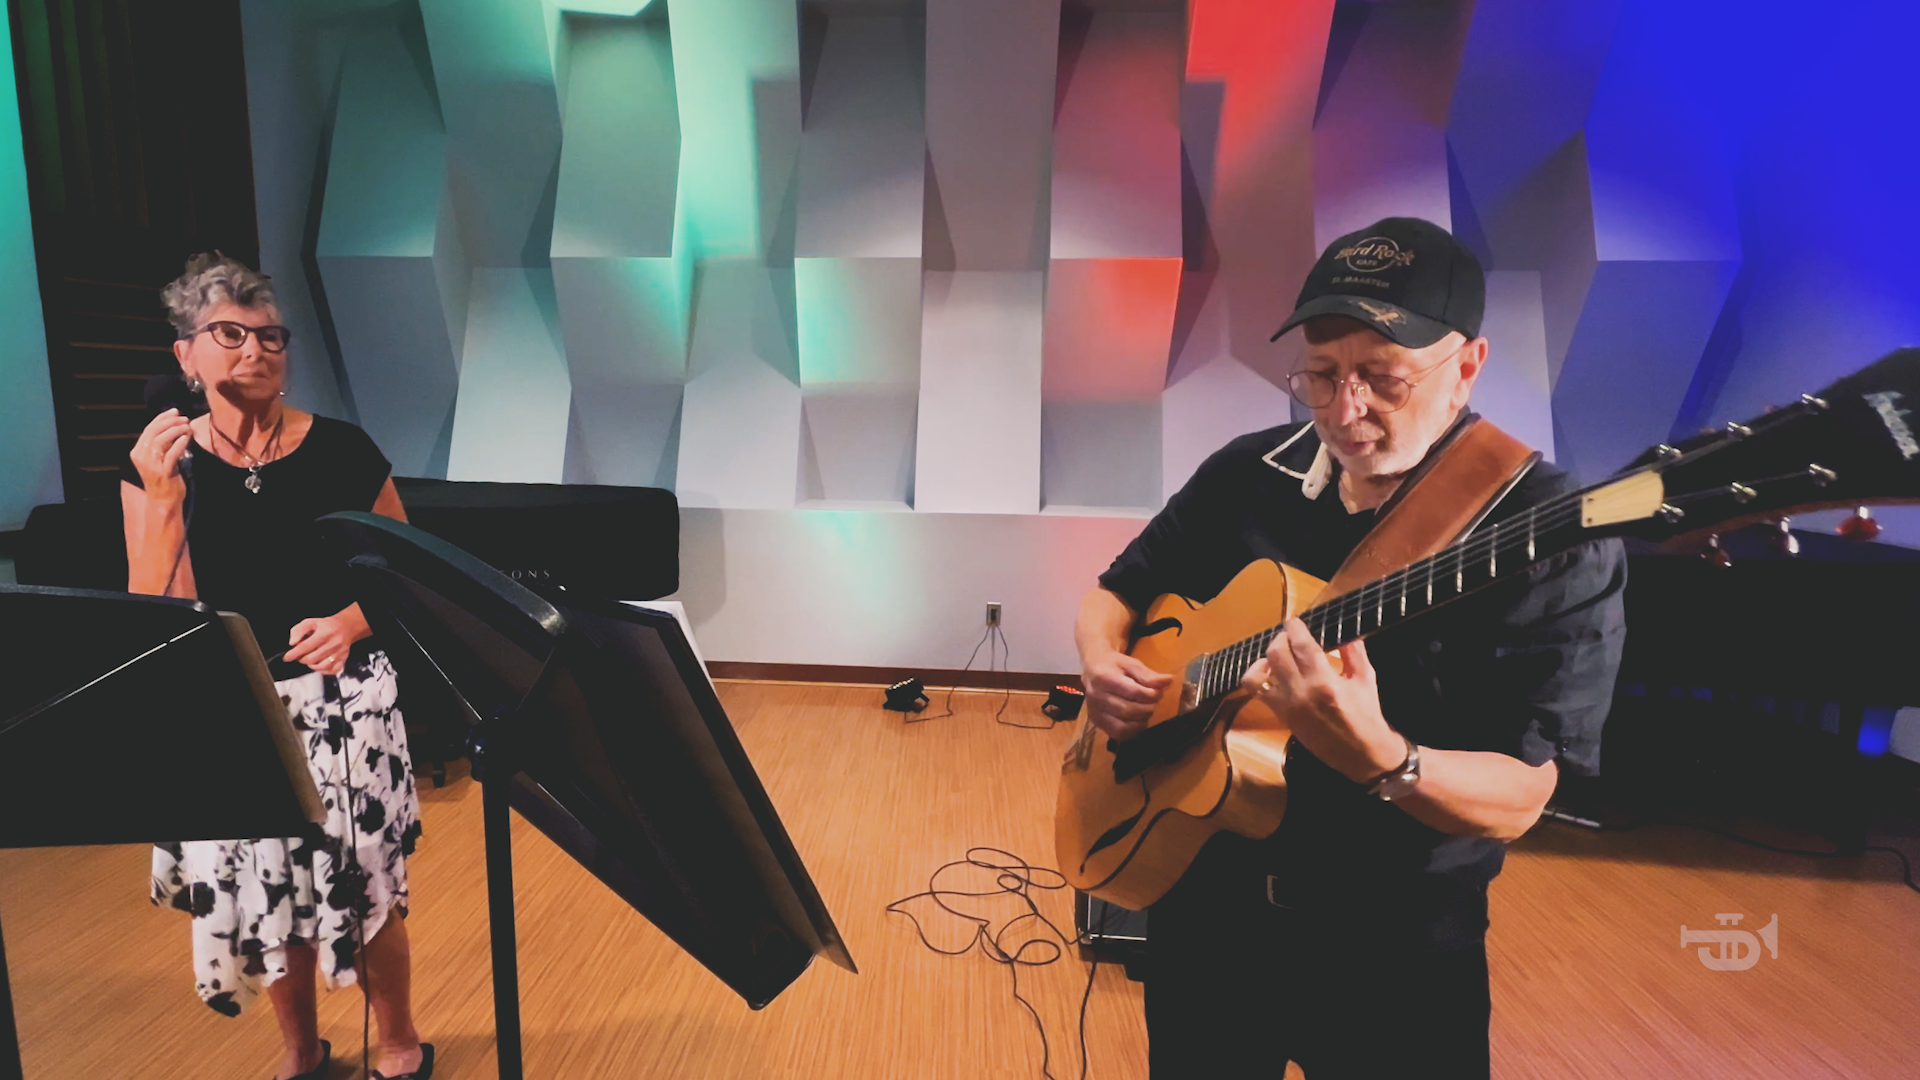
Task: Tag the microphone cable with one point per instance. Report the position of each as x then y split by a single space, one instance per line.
1013 876
185 469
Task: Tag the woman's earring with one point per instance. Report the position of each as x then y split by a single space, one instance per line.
283 393
194 384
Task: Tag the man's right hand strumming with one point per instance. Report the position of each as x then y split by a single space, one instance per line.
156 454
1121 693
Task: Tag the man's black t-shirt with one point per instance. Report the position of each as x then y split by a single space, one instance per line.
1524 667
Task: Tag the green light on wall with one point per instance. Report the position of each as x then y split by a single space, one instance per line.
605 7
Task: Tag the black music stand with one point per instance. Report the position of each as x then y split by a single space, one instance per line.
597 723
147 691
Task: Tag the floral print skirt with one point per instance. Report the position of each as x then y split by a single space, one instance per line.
250 899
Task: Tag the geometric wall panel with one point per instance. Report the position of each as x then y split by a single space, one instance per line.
1513 390
513 379
737 79
1666 247
1251 80
990 79
860 369
27 442
1108 324
860 190
990 71
493 64
1113 279
390 251
737 74
622 269
978 438
1521 186
1379 139
740 422
1018 260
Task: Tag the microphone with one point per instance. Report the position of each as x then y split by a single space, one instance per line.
185 467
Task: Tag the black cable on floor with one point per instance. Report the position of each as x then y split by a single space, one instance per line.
971 657
1012 877
995 639
1906 866
1006 685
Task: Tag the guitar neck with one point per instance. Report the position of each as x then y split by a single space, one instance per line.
1496 551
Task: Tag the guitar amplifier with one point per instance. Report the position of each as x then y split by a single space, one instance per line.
1109 927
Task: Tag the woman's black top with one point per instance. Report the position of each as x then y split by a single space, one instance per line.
258 553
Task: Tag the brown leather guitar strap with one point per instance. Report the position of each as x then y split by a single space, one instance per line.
1475 465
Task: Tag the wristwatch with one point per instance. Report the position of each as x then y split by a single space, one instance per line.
1396 782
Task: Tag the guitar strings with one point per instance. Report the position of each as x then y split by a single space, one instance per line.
1013 877
1542 520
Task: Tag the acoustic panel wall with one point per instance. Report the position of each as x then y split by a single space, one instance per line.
969 259
622 268
740 424
27 442
859 357
990 82
1113 276
389 249
513 382
1514 389
493 64
1253 72
1666 243
1379 136
861 190
978 441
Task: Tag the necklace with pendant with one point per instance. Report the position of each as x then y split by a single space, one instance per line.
254 464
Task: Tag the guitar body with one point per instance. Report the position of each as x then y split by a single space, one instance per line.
1128 841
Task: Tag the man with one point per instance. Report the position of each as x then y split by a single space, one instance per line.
1352 941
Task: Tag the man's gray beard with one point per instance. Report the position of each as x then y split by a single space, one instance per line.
1376 466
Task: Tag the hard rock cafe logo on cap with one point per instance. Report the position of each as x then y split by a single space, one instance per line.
1373 254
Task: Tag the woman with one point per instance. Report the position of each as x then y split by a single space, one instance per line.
239 536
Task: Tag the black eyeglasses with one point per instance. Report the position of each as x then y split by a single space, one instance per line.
1382 393
232 335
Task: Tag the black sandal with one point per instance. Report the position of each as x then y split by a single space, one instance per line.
424 1072
326 1058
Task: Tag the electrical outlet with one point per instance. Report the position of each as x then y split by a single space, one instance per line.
993 613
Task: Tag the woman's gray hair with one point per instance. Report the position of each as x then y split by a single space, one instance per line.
212 279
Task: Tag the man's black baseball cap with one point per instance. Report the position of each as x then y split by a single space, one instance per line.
1408 279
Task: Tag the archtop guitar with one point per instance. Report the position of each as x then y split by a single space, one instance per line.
1130 817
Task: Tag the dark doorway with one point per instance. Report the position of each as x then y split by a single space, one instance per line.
134 122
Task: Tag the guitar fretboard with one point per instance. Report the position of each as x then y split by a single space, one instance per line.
1495 551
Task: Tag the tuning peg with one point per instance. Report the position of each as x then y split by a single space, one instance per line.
1716 554
1783 537
1861 527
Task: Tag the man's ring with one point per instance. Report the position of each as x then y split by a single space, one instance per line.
1266 687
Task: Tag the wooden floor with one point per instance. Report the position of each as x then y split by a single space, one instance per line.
1589 977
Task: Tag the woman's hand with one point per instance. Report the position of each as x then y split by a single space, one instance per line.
156 455
322 644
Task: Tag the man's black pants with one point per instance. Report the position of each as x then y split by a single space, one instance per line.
1237 987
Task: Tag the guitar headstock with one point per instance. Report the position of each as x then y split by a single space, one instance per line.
1857 441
